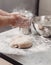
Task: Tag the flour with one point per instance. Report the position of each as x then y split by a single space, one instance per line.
39 43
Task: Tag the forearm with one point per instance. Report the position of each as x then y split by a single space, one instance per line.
4 13
4 21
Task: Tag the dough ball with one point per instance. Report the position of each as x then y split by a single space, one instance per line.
40 27
21 42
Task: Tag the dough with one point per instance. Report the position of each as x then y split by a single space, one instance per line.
40 27
43 30
21 42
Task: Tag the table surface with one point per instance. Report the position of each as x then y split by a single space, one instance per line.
36 58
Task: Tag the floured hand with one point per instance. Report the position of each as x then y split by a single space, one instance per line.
19 21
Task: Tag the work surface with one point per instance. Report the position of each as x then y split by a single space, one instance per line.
39 54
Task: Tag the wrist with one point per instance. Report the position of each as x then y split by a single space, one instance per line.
12 21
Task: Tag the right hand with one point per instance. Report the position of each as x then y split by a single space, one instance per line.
18 20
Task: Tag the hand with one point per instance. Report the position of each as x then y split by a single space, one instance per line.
18 20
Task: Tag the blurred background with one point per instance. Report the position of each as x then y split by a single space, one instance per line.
45 7
9 5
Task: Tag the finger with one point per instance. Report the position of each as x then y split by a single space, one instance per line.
19 15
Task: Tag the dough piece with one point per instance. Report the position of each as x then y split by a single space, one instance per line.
21 42
43 31
40 27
